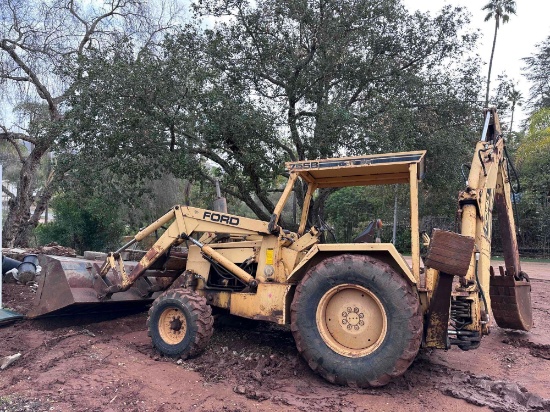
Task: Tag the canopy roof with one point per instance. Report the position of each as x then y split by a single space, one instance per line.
387 168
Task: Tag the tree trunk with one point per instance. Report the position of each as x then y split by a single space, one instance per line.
318 205
491 63
512 118
18 225
294 133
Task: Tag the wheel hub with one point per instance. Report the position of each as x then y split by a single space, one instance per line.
351 320
175 324
172 326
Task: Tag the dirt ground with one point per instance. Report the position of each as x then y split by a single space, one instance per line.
106 363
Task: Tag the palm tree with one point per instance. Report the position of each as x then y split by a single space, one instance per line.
499 10
515 97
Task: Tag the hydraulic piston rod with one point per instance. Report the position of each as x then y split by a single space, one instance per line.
226 263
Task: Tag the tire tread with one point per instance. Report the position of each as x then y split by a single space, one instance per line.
200 315
414 323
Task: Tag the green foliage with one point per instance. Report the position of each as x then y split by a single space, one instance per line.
91 223
355 78
10 160
179 116
534 154
499 10
505 98
537 71
278 80
533 161
350 209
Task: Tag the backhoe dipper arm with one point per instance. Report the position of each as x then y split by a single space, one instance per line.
477 199
186 221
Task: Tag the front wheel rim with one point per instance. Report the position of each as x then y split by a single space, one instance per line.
351 320
172 326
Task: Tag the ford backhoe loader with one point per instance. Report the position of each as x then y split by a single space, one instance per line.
358 312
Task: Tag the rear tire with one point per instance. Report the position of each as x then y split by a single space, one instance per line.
356 321
180 323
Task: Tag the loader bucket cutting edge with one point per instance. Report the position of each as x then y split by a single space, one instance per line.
69 286
511 302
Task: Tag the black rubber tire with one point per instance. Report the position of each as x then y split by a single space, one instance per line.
403 314
198 317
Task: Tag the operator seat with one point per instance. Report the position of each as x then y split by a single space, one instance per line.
367 235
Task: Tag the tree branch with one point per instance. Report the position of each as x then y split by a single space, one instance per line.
9 135
40 88
7 191
15 78
10 138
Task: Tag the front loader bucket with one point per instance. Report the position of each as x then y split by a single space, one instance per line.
511 301
71 285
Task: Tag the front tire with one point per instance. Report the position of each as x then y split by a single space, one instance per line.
180 323
356 321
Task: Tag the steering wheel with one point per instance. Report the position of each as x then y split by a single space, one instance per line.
325 227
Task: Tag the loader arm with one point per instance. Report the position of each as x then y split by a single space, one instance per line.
185 221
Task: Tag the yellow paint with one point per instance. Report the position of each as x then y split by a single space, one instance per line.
269 257
270 302
364 248
415 232
351 320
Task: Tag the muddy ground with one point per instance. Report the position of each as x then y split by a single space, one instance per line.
106 363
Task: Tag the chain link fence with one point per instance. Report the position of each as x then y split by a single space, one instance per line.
533 234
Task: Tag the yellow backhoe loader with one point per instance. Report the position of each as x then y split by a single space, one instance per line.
358 312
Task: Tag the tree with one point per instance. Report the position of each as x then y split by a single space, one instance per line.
506 98
537 71
533 159
280 81
500 10
178 112
533 154
83 223
516 99
356 77
39 41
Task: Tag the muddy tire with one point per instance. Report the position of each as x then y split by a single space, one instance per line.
356 321
180 323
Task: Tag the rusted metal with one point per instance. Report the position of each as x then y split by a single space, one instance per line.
72 285
450 252
437 324
511 300
507 233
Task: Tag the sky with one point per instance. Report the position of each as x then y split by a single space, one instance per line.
515 40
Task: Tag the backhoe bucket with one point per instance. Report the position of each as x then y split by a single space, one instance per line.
511 301
72 285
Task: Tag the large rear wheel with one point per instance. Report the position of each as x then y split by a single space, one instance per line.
356 321
180 323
